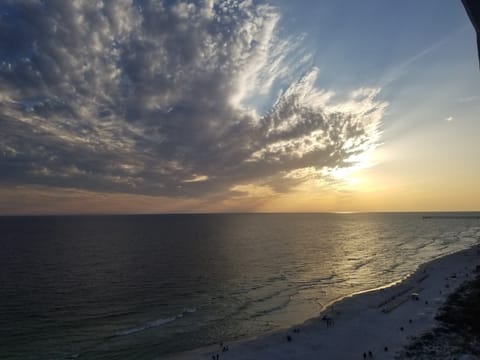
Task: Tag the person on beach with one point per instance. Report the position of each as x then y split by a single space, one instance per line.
328 320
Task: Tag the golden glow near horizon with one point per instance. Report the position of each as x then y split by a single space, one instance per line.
409 174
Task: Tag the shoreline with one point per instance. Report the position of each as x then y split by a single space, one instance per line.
379 320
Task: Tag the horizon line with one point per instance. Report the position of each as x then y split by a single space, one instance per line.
243 213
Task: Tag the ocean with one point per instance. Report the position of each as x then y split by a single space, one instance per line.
141 287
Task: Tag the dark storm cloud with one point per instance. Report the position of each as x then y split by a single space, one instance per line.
153 97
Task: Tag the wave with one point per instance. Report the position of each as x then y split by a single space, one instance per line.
361 264
323 280
155 323
268 300
251 301
392 268
280 277
425 244
282 305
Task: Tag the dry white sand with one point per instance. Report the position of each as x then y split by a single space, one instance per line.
363 322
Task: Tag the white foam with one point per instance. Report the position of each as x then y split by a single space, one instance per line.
155 323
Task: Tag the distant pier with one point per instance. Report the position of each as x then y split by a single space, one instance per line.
471 217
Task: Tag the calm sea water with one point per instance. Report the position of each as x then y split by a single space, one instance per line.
139 287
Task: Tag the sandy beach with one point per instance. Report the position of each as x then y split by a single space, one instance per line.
374 324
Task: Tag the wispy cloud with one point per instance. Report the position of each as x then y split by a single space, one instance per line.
402 68
155 97
469 99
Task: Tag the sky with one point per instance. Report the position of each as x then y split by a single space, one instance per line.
166 106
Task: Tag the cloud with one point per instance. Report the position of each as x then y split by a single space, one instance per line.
449 119
402 68
468 99
162 98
